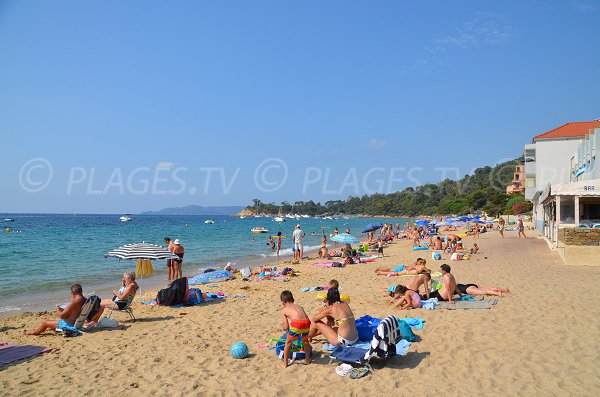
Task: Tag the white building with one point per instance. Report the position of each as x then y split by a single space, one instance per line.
549 160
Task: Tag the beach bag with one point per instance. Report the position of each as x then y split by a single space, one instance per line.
106 322
246 272
296 352
366 326
406 331
195 296
436 256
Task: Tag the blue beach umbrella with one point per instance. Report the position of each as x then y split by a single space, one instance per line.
372 226
422 222
344 238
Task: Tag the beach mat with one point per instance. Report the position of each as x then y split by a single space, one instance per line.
11 353
469 305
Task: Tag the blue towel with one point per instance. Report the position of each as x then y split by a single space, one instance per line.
430 304
416 323
349 354
402 347
67 329
406 332
465 298
399 268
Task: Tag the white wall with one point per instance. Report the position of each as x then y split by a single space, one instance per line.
553 161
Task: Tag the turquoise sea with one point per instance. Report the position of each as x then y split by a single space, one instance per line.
43 255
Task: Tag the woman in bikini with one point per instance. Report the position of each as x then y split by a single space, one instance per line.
412 270
342 330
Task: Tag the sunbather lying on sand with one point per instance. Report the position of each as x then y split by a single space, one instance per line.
473 289
416 268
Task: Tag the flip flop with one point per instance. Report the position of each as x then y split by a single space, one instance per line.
358 373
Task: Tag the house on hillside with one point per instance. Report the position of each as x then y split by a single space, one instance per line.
518 182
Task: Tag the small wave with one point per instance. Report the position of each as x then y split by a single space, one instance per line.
9 309
288 251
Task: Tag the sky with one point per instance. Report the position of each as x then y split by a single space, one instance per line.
122 107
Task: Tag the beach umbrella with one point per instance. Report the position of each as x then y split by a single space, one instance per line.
372 226
344 238
141 251
421 222
456 224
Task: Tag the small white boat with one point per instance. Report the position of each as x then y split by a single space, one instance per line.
125 218
258 230
279 219
242 217
209 222
9 220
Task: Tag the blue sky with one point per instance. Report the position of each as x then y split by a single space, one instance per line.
114 107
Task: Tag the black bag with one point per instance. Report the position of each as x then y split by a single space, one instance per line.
174 294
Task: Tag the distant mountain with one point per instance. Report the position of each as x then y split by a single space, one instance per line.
197 210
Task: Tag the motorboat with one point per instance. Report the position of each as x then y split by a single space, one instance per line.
279 219
125 218
242 217
209 222
258 230
9 220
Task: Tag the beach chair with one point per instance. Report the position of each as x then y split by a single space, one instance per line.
383 345
91 304
127 309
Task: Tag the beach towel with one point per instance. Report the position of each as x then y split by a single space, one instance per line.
211 277
430 304
416 323
323 264
11 353
469 305
385 338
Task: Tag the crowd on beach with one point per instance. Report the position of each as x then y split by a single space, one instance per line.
335 321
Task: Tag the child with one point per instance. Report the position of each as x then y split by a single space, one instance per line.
380 247
405 298
297 324
334 284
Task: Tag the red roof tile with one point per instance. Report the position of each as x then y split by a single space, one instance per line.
578 129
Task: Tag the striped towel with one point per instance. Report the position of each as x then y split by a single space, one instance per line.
385 339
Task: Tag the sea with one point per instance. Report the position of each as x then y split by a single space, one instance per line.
41 255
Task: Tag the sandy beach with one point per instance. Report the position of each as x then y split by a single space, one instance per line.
541 340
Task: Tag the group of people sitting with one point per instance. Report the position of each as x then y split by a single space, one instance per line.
69 313
408 296
335 321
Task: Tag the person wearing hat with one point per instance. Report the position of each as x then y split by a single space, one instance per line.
298 237
177 250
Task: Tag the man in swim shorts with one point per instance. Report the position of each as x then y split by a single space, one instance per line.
448 286
67 316
297 324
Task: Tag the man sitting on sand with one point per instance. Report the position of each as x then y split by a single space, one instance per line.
67 316
437 243
295 321
448 286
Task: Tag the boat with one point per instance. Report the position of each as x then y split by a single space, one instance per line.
125 218
258 230
242 217
209 222
9 220
279 217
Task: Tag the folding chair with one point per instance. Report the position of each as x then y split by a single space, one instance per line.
127 309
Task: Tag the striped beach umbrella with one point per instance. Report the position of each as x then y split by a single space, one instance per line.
141 251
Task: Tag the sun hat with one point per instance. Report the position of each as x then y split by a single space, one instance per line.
298 225
177 242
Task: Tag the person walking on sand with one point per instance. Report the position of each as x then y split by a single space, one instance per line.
501 223
66 316
521 228
295 321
